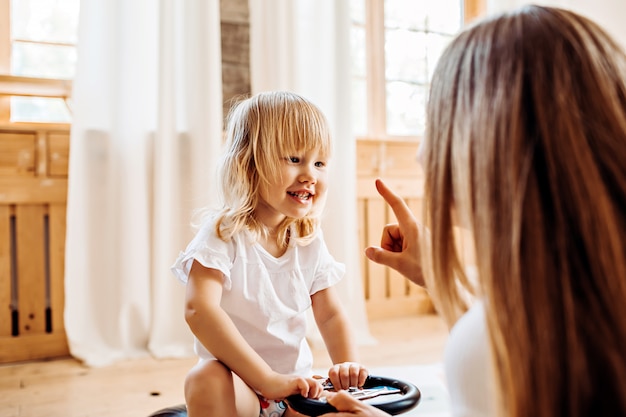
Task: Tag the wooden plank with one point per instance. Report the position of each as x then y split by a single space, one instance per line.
400 307
15 85
39 293
368 159
401 160
398 285
33 346
42 150
375 217
18 154
362 230
5 271
33 190
57 213
5 109
32 127
31 271
58 154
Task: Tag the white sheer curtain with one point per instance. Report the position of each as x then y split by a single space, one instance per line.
608 13
147 126
304 46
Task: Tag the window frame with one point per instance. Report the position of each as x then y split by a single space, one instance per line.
375 66
14 85
11 85
5 56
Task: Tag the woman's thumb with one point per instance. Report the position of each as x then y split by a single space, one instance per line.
380 256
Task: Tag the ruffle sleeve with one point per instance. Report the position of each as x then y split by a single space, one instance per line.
210 251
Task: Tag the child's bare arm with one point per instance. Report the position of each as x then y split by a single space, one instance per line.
216 331
334 327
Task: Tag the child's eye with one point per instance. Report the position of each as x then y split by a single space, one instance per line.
320 164
294 159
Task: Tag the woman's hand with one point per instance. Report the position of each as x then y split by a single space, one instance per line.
399 245
279 387
347 374
347 405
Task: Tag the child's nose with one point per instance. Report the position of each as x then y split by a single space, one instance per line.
307 175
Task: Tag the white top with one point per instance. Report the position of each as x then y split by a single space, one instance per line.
469 370
266 297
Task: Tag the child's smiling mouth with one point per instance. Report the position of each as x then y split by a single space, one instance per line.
302 195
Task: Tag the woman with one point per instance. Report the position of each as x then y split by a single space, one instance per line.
525 147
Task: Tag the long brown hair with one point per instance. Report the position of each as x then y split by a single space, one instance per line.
526 146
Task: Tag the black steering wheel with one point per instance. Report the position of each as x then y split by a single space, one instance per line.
390 395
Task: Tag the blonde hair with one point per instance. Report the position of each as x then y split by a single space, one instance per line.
526 144
261 130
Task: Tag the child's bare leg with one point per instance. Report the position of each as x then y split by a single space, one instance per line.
211 389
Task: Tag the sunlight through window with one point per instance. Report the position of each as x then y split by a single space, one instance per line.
43 45
396 45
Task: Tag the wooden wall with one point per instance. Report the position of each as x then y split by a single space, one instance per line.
33 196
387 293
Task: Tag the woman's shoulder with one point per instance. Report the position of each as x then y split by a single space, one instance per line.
468 363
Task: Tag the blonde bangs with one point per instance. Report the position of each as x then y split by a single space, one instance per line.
288 125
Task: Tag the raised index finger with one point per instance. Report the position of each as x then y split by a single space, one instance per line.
398 205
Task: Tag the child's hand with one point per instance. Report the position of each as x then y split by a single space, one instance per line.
279 386
347 374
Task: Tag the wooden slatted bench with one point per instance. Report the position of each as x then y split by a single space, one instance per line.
387 293
33 196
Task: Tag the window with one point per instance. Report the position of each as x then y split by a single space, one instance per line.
397 44
38 58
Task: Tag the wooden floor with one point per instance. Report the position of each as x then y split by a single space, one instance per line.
65 388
